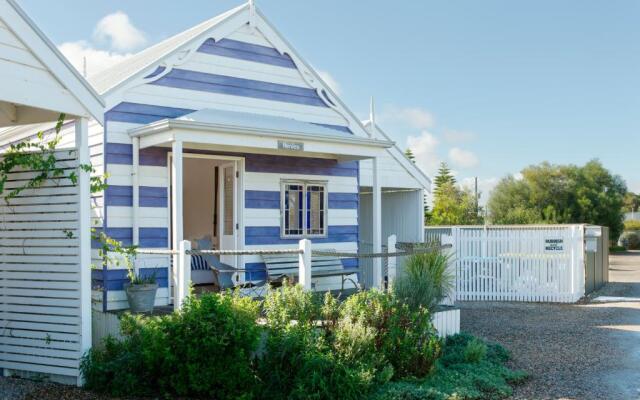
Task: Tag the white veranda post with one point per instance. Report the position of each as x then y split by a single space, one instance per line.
84 233
377 224
176 215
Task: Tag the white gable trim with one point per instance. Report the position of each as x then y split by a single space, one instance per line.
309 74
397 153
176 56
89 102
221 29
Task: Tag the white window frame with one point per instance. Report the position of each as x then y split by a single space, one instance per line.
304 184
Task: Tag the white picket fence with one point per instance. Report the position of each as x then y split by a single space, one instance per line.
519 263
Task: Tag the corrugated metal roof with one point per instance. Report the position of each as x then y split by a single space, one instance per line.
115 75
259 121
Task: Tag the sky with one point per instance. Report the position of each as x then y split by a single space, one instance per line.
489 87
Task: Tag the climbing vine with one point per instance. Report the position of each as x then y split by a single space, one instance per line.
39 155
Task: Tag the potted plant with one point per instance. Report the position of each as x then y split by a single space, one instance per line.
141 292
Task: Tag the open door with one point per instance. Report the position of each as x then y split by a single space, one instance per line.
228 212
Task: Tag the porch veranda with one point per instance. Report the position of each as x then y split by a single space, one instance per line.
235 136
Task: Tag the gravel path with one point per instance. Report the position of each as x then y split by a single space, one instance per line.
584 351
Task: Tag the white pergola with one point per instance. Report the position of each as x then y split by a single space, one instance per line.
37 85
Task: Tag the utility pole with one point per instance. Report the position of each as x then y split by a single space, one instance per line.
476 194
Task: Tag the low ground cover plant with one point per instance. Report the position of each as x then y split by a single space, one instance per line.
295 345
469 369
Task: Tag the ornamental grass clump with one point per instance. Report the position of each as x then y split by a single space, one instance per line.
426 280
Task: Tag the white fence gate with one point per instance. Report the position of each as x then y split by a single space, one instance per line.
41 324
519 263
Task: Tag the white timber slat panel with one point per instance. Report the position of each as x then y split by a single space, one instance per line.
39 274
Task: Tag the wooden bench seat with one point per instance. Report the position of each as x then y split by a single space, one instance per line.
280 266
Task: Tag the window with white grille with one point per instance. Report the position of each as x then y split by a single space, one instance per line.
304 209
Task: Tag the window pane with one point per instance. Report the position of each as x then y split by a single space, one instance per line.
315 209
293 209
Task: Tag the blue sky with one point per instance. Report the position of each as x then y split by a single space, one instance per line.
488 86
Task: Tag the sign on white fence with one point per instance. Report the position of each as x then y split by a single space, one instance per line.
528 263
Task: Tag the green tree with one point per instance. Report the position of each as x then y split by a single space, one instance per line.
410 155
452 205
560 194
631 202
443 178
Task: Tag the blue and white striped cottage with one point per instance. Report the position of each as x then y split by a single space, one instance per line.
215 134
223 135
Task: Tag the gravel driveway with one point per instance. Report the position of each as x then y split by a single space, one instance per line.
578 351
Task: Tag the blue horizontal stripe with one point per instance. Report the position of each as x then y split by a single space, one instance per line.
149 196
265 235
271 200
300 165
343 201
213 83
118 153
143 113
122 153
262 199
246 51
149 237
115 279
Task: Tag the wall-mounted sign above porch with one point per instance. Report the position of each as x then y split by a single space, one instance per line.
554 245
293 146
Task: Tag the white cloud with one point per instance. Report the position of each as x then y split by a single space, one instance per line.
518 176
462 158
414 117
424 149
117 29
331 81
97 60
485 186
453 136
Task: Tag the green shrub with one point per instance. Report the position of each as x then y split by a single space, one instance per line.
426 280
475 351
617 249
630 240
405 337
306 355
205 350
632 225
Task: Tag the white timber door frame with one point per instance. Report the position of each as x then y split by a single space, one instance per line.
175 180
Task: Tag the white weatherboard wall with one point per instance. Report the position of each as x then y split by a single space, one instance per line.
40 314
519 263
